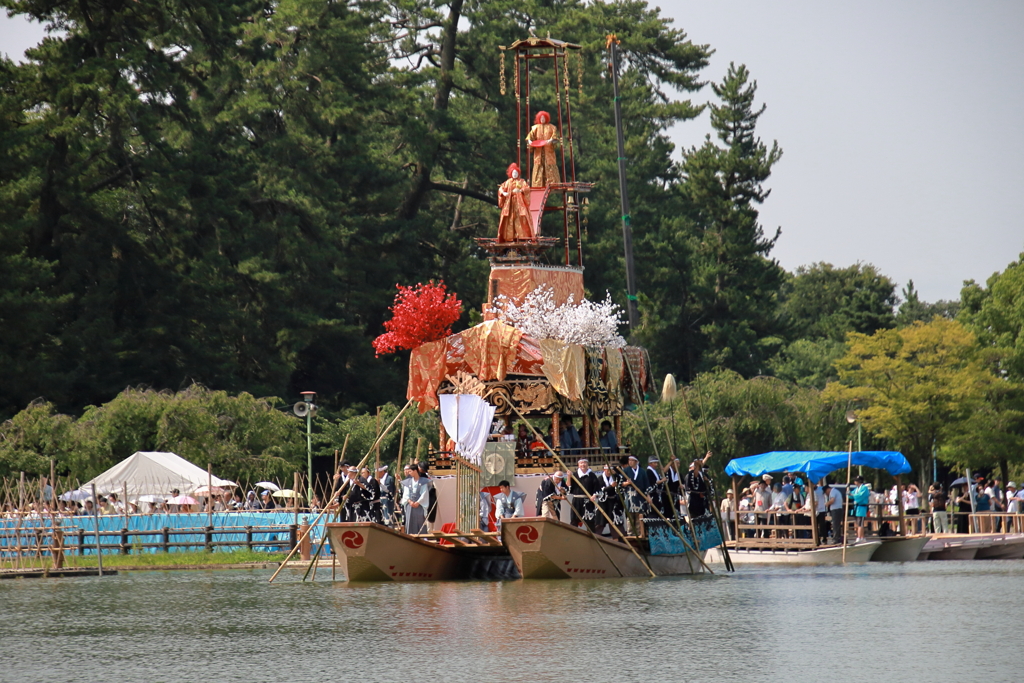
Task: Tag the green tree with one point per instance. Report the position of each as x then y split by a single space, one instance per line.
727 310
913 308
744 417
243 437
819 304
996 314
916 386
821 301
228 193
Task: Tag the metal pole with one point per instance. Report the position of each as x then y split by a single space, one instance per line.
627 231
309 454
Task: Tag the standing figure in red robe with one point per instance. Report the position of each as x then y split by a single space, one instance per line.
543 138
514 202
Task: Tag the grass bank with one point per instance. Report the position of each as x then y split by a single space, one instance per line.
176 560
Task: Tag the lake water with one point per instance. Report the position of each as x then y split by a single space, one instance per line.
924 621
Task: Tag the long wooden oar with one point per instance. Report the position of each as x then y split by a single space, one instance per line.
362 463
611 522
689 522
327 504
316 557
714 499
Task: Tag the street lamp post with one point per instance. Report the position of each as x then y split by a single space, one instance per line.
851 418
307 397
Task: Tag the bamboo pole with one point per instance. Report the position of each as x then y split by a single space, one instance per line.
401 444
127 514
326 506
689 522
611 522
377 449
846 512
707 443
96 521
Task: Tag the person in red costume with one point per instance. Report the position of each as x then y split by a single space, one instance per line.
514 202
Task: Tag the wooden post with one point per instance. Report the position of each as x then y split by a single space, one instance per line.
814 512
96 520
556 430
846 506
899 502
304 547
736 520
57 545
209 494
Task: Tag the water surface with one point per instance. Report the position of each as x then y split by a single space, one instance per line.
923 621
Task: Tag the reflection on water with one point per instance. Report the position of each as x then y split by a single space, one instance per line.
866 622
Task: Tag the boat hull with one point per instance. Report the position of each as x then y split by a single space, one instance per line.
372 552
900 548
544 548
1006 548
858 552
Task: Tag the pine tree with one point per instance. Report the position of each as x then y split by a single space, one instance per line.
729 315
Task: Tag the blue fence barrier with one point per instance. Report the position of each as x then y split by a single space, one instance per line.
189 531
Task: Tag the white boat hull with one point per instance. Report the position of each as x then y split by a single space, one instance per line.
544 548
900 549
372 552
858 552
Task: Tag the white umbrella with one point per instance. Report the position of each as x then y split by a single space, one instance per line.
269 485
205 490
150 498
77 494
286 493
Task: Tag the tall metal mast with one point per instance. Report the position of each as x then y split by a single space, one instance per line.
627 231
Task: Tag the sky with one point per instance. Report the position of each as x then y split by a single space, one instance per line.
901 125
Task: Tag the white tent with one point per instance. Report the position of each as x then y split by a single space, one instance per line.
152 473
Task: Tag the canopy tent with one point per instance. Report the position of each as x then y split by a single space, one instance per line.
816 464
152 473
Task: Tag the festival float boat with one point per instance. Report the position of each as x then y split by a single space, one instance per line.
374 552
770 543
505 369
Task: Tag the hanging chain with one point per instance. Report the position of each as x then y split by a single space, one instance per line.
565 74
579 71
519 140
502 72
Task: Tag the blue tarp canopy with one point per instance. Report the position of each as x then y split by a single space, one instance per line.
816 464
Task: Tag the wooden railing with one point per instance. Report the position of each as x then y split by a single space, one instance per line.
443 462
46 541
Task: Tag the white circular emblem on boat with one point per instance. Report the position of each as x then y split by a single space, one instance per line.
494 463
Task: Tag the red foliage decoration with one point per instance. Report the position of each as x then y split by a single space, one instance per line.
420 315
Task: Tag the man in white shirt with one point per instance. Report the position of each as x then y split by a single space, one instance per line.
507 503
1013 499
762 501
834 498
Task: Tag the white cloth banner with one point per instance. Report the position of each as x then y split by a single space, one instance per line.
467 419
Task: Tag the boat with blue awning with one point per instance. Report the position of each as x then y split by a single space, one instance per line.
786 536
